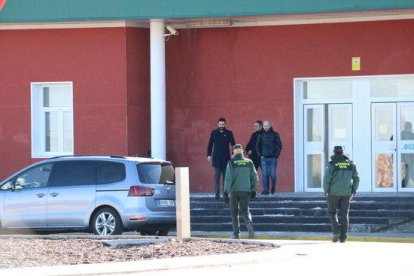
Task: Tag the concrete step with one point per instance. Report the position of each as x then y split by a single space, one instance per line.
307 212
281 227
301 213
287 219
360 205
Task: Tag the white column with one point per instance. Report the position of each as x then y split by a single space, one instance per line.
182 199
158 119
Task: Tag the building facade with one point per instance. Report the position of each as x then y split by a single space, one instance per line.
81 80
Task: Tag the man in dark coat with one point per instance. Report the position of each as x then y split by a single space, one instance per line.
251 146
218 152
268 148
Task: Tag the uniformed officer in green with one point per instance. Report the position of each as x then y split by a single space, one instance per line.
340 184
241 183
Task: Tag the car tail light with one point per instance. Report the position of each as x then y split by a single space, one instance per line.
141 191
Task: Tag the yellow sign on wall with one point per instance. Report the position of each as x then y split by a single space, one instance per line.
356 63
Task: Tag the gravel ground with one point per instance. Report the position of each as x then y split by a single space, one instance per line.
48 252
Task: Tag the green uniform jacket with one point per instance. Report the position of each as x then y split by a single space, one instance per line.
241 176
341 177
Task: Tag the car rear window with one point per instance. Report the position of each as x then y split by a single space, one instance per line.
156 173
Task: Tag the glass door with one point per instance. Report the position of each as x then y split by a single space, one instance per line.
393 146
314 132
340 128
326 126
405 149
384 146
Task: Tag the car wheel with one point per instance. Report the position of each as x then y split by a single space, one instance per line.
106 222
163 232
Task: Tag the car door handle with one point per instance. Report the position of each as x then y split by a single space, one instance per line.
40 195
54 194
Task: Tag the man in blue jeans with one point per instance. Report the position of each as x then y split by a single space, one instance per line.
268 147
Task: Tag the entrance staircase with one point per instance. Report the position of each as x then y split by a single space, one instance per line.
303 212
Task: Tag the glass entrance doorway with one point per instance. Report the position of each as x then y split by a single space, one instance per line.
326 125
371 117
392 146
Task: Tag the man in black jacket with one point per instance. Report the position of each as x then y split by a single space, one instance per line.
251 146
268 148
218 152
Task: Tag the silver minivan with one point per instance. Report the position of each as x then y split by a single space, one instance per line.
104 194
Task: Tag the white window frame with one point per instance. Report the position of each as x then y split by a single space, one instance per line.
38 123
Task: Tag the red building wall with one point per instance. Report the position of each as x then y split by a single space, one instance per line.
107 72
245 74
138 91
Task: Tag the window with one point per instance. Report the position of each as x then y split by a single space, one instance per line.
327 89
392 87
52 119
156 173
110 172
36 177
73 173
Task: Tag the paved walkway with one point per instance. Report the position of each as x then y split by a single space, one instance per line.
289 258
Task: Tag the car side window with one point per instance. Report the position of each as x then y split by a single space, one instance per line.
7 185
36 177
73 173
110 172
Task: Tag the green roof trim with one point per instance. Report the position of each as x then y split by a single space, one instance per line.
95 10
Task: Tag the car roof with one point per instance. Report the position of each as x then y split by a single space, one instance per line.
106 157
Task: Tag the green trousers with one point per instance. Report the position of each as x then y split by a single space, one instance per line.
239 204
339 204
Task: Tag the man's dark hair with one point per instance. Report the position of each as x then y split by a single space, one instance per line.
338 150
222 119
260 123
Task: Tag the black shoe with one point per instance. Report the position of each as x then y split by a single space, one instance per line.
342 238
335 238
272 190
217 197
235 237
265 193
